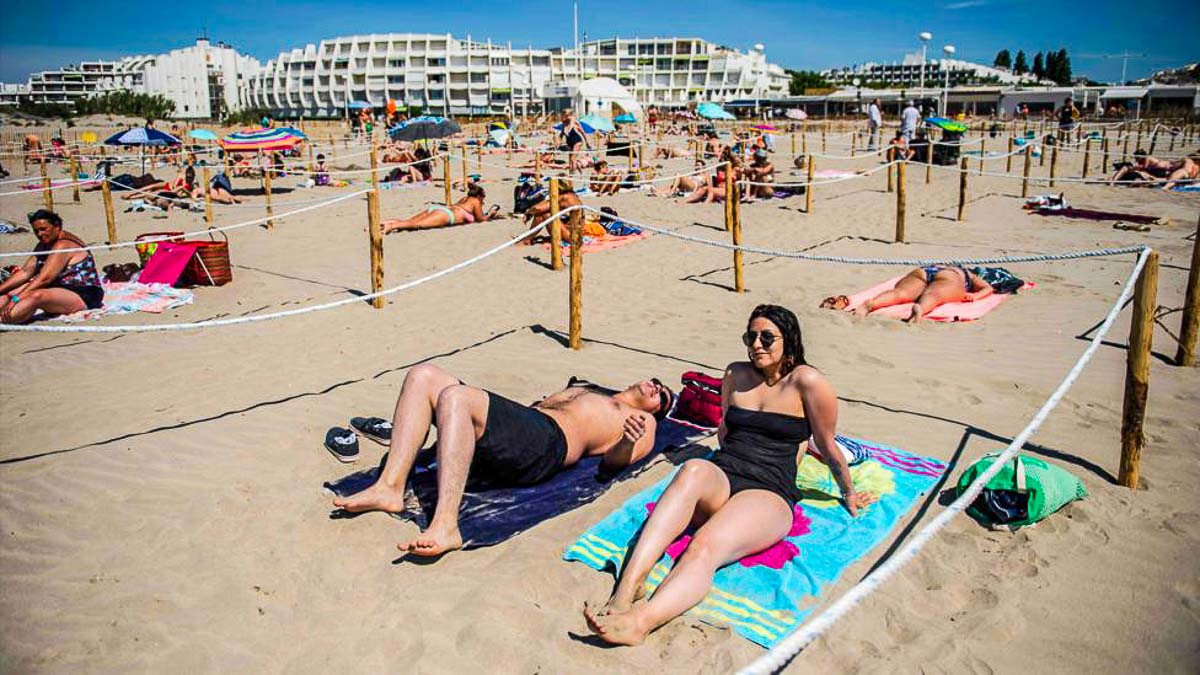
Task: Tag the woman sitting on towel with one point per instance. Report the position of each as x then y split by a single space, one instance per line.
714 190
604 180
930 287
743 500
220 188
56 283
469 209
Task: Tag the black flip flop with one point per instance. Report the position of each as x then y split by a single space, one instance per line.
374 428
342 444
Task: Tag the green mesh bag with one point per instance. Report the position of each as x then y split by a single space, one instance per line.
1025 491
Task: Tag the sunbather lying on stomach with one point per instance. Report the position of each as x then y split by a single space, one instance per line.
928 288
485 435
469 209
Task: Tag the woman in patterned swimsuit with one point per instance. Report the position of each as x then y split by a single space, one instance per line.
52 281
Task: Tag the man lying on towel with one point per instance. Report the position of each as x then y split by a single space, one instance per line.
490 436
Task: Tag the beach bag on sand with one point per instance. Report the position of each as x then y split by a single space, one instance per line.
1025 491
210 265
699 400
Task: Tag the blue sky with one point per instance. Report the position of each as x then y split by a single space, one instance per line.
797 34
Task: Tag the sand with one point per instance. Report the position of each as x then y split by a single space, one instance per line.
160 494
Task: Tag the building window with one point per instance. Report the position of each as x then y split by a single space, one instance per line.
479 78
395 79
437 95
435 61
499 61
395 63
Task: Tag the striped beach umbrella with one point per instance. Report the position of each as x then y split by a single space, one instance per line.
253 140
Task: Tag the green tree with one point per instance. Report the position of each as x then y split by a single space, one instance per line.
805 79
1003 59
1021 65
1063 67
1039 66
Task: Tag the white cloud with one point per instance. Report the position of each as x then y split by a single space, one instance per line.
966 4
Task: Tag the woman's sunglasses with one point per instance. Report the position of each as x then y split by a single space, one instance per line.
767 339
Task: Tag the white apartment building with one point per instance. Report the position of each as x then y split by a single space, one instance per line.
937 73
443 74
203 80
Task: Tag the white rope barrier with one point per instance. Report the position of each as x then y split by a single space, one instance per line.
784 651
213 323
123 244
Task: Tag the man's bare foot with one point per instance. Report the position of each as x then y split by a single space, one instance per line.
433 542
915 316
618 628
378 497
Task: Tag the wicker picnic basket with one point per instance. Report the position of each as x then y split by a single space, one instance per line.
210 265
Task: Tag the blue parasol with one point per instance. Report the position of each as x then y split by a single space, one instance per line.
712 111
598 123
142 136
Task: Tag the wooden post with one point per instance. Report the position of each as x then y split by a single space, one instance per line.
537 165
1137 373
1045 151
375 235
1008 163
1190 324
555 229
47 195
446 178
1137 138
1104 156
793 134
962 189
1125 148
808 189
576 299
109 218
804 139
853 143
465 177
822 137
629 147
267 192
1171 147
641 159
74 178
929 159
729 197
208 207
1053 163
891 180
479 157
1087 155
982 153
900 205
312 167
739 284
1025 175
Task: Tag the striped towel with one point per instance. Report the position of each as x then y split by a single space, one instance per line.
765 596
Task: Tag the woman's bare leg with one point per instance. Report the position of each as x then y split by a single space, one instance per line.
410 425
747 523
421 221
49 300
908 289
696 492
944 289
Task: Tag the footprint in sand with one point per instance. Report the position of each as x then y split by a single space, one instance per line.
1186 525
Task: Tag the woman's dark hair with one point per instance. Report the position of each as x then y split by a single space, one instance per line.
789 331
421 153
476 190
46 215
189 175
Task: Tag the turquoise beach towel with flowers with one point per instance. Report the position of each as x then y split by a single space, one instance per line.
767 595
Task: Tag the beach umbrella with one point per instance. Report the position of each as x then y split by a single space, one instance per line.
202 135
501 136
423 128
712 111
142 136
796 114
597 123
88 137
625 119
946 124
764 127
359 105
253 140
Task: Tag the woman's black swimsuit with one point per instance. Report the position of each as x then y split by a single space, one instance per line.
759 451
573 138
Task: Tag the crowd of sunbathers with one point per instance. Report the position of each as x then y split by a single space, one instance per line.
1149 170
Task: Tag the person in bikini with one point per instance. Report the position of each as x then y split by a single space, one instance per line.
1185 169
927 288
469 209
574 141
604 180
774 408
54 282
488 436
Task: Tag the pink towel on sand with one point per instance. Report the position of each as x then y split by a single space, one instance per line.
603 243
951 311
167 263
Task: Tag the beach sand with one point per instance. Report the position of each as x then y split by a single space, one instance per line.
161 501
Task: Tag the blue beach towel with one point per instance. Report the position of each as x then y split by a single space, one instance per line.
489 514
767 595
